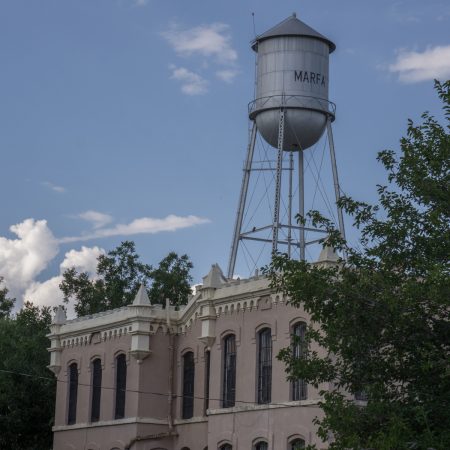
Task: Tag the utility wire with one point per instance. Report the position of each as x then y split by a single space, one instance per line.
136 391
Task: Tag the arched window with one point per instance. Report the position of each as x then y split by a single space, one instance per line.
299 388
226 447
96 389
261 445
73 393
297 444
229 371
121 386
188 385
265 366
207 380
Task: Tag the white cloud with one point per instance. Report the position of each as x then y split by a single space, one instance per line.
144 225
212 43
191 83
413 67
227 75
54 187
84 260
48 292
205 40
97 219
22 259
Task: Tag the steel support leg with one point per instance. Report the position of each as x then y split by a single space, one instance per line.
242 200
291 170
276 209
301 204
337 189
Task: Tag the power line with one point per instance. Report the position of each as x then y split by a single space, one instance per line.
136 391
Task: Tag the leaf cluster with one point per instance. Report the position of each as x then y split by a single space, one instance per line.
119 275
382 316
26 402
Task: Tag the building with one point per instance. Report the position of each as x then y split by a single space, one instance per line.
144 377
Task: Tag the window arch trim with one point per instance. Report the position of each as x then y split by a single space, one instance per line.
292 440
229 356
188 385
298 387
73 372
256 445
264 365
120 386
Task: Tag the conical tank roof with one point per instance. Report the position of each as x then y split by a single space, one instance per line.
292 27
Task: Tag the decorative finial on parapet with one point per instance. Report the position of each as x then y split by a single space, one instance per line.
215 277
141 297
60 317
328 254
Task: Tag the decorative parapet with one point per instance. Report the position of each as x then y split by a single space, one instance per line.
208 317
55 349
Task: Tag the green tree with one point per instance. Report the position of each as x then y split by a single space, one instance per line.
172 280
6 304
27 387
119 275
382 316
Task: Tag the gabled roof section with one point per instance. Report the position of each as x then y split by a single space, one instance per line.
328 254
215 278
141 297
292 27
60 316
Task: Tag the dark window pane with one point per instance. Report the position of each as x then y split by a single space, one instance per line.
265 366
299 388
188 385
229 371
226 447
261 446
121 386
298 444
73 392
96 389
207 376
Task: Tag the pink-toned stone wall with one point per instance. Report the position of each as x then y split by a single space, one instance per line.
147 397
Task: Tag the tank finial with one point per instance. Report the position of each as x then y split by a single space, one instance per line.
294 14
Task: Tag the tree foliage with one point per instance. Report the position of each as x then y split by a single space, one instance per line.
172 280
119 275
382 316
27 387
6 304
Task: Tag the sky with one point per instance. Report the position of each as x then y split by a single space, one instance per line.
127 119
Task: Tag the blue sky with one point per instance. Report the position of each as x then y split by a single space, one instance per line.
127 119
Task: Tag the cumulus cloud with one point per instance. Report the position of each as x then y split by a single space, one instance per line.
144 225
212 43
48 293
413 67
205 40
25 257
54 187
97 219
191 83
227 75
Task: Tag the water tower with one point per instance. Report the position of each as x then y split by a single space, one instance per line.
290 112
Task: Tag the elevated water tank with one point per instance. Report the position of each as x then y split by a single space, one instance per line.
292 73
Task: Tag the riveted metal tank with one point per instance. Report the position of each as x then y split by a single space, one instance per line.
292 73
